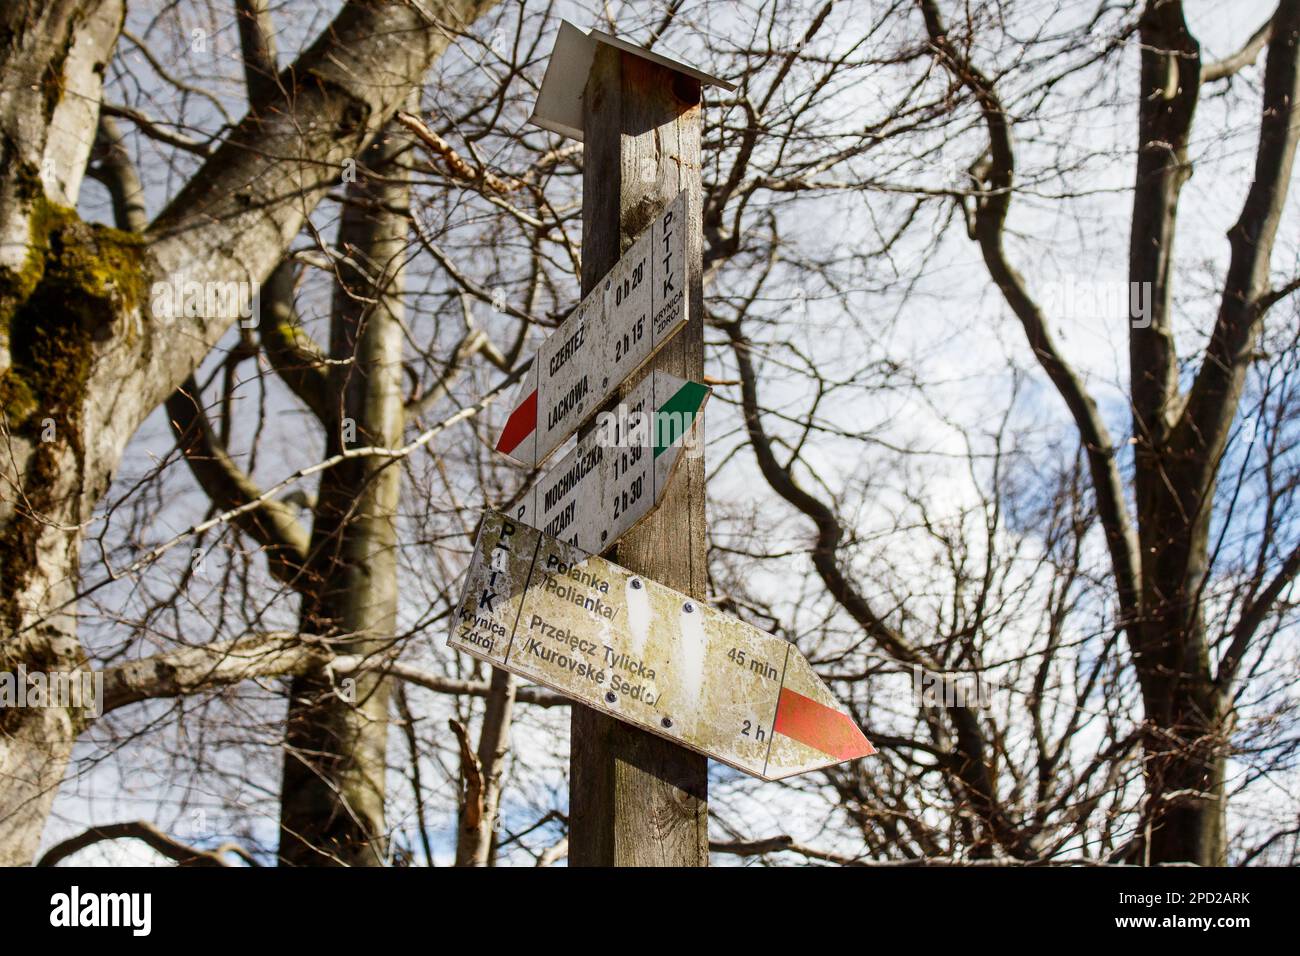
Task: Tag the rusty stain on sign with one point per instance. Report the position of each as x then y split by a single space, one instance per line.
616 328
648 655
618 472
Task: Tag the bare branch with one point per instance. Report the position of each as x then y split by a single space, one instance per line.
1212 402
170 847
207 667
990 220
272 523
296 358
1246 56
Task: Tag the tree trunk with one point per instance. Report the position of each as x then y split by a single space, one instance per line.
1180 440
83 357
1186 740
55 309
1185 818
1179 437
332 799
481 801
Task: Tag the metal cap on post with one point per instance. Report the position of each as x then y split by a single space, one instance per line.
559 101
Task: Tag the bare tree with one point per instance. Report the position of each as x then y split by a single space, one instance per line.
79 346
896 483
1161 568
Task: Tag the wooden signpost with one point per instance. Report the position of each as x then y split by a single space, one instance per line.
660 681
647 655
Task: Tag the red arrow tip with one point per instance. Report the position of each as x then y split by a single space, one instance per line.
820 727
519 425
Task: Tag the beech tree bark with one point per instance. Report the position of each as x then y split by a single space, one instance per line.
83 357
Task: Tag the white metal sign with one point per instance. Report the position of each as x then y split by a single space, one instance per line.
619 471
620 324
648 655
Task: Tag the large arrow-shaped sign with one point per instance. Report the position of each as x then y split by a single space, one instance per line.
648 655
615 330
618 472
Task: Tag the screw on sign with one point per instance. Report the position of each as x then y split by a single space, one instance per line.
617 328
648 655
618 472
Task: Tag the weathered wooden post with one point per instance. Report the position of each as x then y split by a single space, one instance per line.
636 799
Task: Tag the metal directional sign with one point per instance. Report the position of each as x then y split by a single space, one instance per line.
648 655
620 324
619 471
